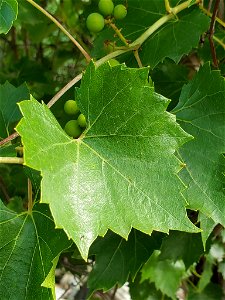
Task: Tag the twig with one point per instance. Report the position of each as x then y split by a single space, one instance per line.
137 57
9 138
211 33
114 292
41 9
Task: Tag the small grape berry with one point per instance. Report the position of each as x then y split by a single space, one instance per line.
82 121
70 107
106 7
120 12
95 22
73 129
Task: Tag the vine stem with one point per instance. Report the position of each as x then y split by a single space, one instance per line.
219 41
75 42
11 160
211 33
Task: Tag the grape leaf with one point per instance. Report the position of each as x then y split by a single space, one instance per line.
165 274
28 245
8 150
201 112
8 14
122 172
188 247
116 258
9 111
211 292
145 290
207 226
173 39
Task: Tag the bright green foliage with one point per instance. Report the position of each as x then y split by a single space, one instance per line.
8 13
201 112
9 111
72 128
119 12
165 274
95 22
29 243
106 7
70 107
116 258
103 184
189 248
82 121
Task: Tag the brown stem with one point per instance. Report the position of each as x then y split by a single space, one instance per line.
137 57
9 138
211 33
114 292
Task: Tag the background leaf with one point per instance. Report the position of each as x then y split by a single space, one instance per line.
189 247
201 113
116 258
9 111
8 14
28 245
165 274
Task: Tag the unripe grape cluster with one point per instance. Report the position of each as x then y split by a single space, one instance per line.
74 127
95 21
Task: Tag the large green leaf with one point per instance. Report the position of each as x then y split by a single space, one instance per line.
174 39
165 274
8 14
122 172
9 111
201 112
116 258
28 245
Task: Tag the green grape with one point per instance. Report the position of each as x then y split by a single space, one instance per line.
106 7
120 11
113 62
70 107
73 129
82 120
95 22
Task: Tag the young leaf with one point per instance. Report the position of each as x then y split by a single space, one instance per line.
116 258
9 111
122 172
165 274
8 14
201 112
28 245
